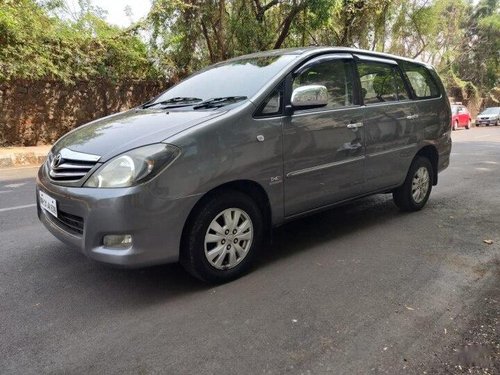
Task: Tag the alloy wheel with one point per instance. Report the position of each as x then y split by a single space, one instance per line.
420 184
228 238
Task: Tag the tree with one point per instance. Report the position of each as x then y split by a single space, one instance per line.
478 61
187 33
37 42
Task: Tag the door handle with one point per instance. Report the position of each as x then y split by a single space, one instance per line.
411 117
355 125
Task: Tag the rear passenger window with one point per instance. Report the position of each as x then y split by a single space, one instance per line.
335 75
381 83
421 81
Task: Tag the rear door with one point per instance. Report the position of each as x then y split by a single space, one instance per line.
389 118
324 147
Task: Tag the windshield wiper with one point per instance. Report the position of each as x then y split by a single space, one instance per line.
219 102
178 101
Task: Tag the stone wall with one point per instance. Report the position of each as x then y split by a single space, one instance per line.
39 112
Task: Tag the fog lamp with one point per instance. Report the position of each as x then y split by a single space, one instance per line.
121 241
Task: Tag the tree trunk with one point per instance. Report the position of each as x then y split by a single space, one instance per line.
285 28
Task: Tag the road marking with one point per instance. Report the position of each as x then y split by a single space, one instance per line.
6 191
17 207
15 185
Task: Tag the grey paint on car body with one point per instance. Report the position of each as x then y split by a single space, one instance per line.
303 162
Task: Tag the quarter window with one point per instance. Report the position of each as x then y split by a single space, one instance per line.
335 75
381 83
421 81
272 105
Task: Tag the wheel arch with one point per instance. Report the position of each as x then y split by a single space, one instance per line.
251 188
430 152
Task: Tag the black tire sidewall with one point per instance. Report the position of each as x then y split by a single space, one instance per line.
403 196
193 257
416 165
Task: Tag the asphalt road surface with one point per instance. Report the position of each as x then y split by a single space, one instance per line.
355 290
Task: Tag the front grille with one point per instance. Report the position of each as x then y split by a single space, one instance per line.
70 166
69 222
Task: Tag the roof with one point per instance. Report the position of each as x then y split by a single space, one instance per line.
313 50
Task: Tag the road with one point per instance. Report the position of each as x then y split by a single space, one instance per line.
359 289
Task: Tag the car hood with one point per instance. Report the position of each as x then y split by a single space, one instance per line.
115 134
487 117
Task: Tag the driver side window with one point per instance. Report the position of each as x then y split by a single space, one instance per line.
335 75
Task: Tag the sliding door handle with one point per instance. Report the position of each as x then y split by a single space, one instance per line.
412 117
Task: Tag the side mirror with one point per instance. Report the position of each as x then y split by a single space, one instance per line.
310 96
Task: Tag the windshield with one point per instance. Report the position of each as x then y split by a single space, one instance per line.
491 111
243 78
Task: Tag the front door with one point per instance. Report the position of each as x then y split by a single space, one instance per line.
324 147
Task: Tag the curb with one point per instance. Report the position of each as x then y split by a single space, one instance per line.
22 157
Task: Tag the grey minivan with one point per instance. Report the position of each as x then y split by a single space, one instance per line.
203 171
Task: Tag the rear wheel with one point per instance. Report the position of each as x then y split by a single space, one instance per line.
222 239
455 125
468 125
415 191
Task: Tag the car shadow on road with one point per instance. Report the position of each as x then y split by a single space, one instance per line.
116 287
308 232
108 285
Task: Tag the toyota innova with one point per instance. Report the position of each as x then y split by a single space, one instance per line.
200 173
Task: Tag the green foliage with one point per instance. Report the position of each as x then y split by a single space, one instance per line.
36 45
478 58
45 39
453 35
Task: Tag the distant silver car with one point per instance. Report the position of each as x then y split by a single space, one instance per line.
200 173
490 116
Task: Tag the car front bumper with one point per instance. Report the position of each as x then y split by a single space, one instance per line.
486 122
86 215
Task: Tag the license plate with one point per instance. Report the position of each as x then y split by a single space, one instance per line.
48 203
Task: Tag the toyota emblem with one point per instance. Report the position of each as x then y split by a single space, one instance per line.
56 161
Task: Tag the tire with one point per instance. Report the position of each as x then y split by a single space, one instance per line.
468 125
455 125
218 256
406 196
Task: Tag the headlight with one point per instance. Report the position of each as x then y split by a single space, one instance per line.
134 166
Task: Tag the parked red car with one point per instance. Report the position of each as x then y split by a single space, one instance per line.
460 116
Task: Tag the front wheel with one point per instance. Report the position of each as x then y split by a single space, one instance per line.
415 191
468 125
455 125
223 237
